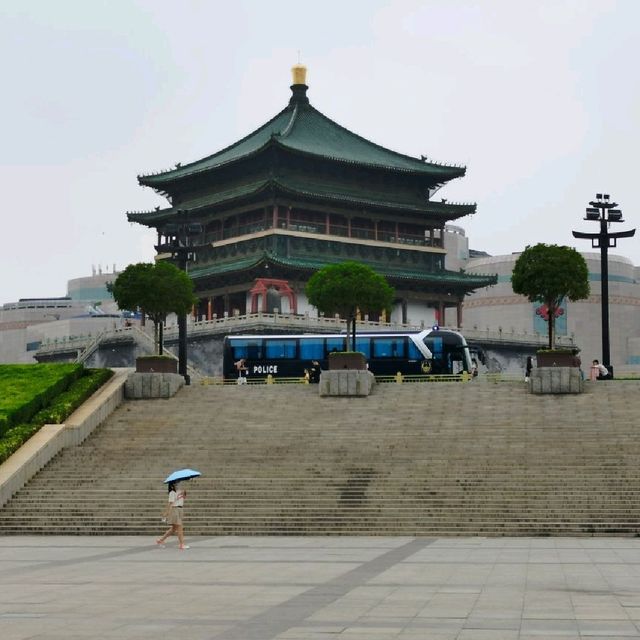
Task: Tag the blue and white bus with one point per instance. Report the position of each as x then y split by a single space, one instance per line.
427 352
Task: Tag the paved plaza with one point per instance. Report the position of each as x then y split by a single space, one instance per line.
320 588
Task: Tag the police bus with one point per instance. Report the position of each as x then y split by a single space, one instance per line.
429 352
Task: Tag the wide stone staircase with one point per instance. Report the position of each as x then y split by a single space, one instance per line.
479 458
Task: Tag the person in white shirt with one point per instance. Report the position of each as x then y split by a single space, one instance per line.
603 372
173 515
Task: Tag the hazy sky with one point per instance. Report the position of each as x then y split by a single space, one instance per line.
538 98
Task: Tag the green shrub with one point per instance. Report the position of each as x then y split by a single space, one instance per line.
68 401
24 389
15 438
57 412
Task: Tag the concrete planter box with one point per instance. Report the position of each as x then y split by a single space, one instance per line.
556 380
152 385
156 364
353 360
346 382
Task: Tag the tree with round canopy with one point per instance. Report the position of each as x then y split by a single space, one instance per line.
346 288
549 273
157 289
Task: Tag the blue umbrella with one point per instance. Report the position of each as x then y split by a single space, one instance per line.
182 474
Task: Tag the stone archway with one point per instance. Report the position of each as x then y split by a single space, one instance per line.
261 288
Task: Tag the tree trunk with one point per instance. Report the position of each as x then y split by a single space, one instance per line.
159 336
551 310
353 335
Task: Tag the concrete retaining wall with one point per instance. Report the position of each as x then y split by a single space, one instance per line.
34 454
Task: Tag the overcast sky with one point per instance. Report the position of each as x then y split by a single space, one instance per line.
538 98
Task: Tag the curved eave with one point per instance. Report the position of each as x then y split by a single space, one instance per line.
165 177
437 173
150 218
450 211
443 278
233 197
162 181
436 178
245 264
285 138
153 218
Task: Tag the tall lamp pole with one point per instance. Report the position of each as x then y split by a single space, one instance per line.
179 244
604 211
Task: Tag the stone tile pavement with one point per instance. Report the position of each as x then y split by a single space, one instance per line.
320 588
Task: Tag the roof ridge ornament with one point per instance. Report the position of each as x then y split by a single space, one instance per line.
299 87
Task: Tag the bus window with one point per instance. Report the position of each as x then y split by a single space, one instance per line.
436 345
311 349
389 347
280 349
335 344
414 352
364 346
248 349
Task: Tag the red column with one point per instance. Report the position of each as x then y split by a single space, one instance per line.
209 308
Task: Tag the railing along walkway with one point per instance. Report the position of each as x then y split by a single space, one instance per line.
398 378
85 345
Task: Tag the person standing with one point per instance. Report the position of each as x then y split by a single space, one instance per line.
314 372
241 368
174 515
528 368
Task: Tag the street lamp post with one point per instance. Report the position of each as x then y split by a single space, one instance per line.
604 211
179 244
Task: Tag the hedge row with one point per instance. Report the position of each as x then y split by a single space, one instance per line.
25 389
57 412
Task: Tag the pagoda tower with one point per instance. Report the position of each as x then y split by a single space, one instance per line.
301 192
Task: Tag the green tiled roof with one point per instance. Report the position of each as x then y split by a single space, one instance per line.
311 187
372 195
469 281
303 129
151 218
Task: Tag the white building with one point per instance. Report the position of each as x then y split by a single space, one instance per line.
87 309
498 307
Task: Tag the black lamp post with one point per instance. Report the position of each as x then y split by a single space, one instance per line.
604 211
179 244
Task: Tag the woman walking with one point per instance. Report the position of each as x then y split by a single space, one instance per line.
173 515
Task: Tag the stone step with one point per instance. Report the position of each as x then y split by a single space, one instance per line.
409 459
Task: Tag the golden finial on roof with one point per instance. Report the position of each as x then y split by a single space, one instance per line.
299 73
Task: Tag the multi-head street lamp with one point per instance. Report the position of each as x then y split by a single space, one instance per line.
179 243
604 211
